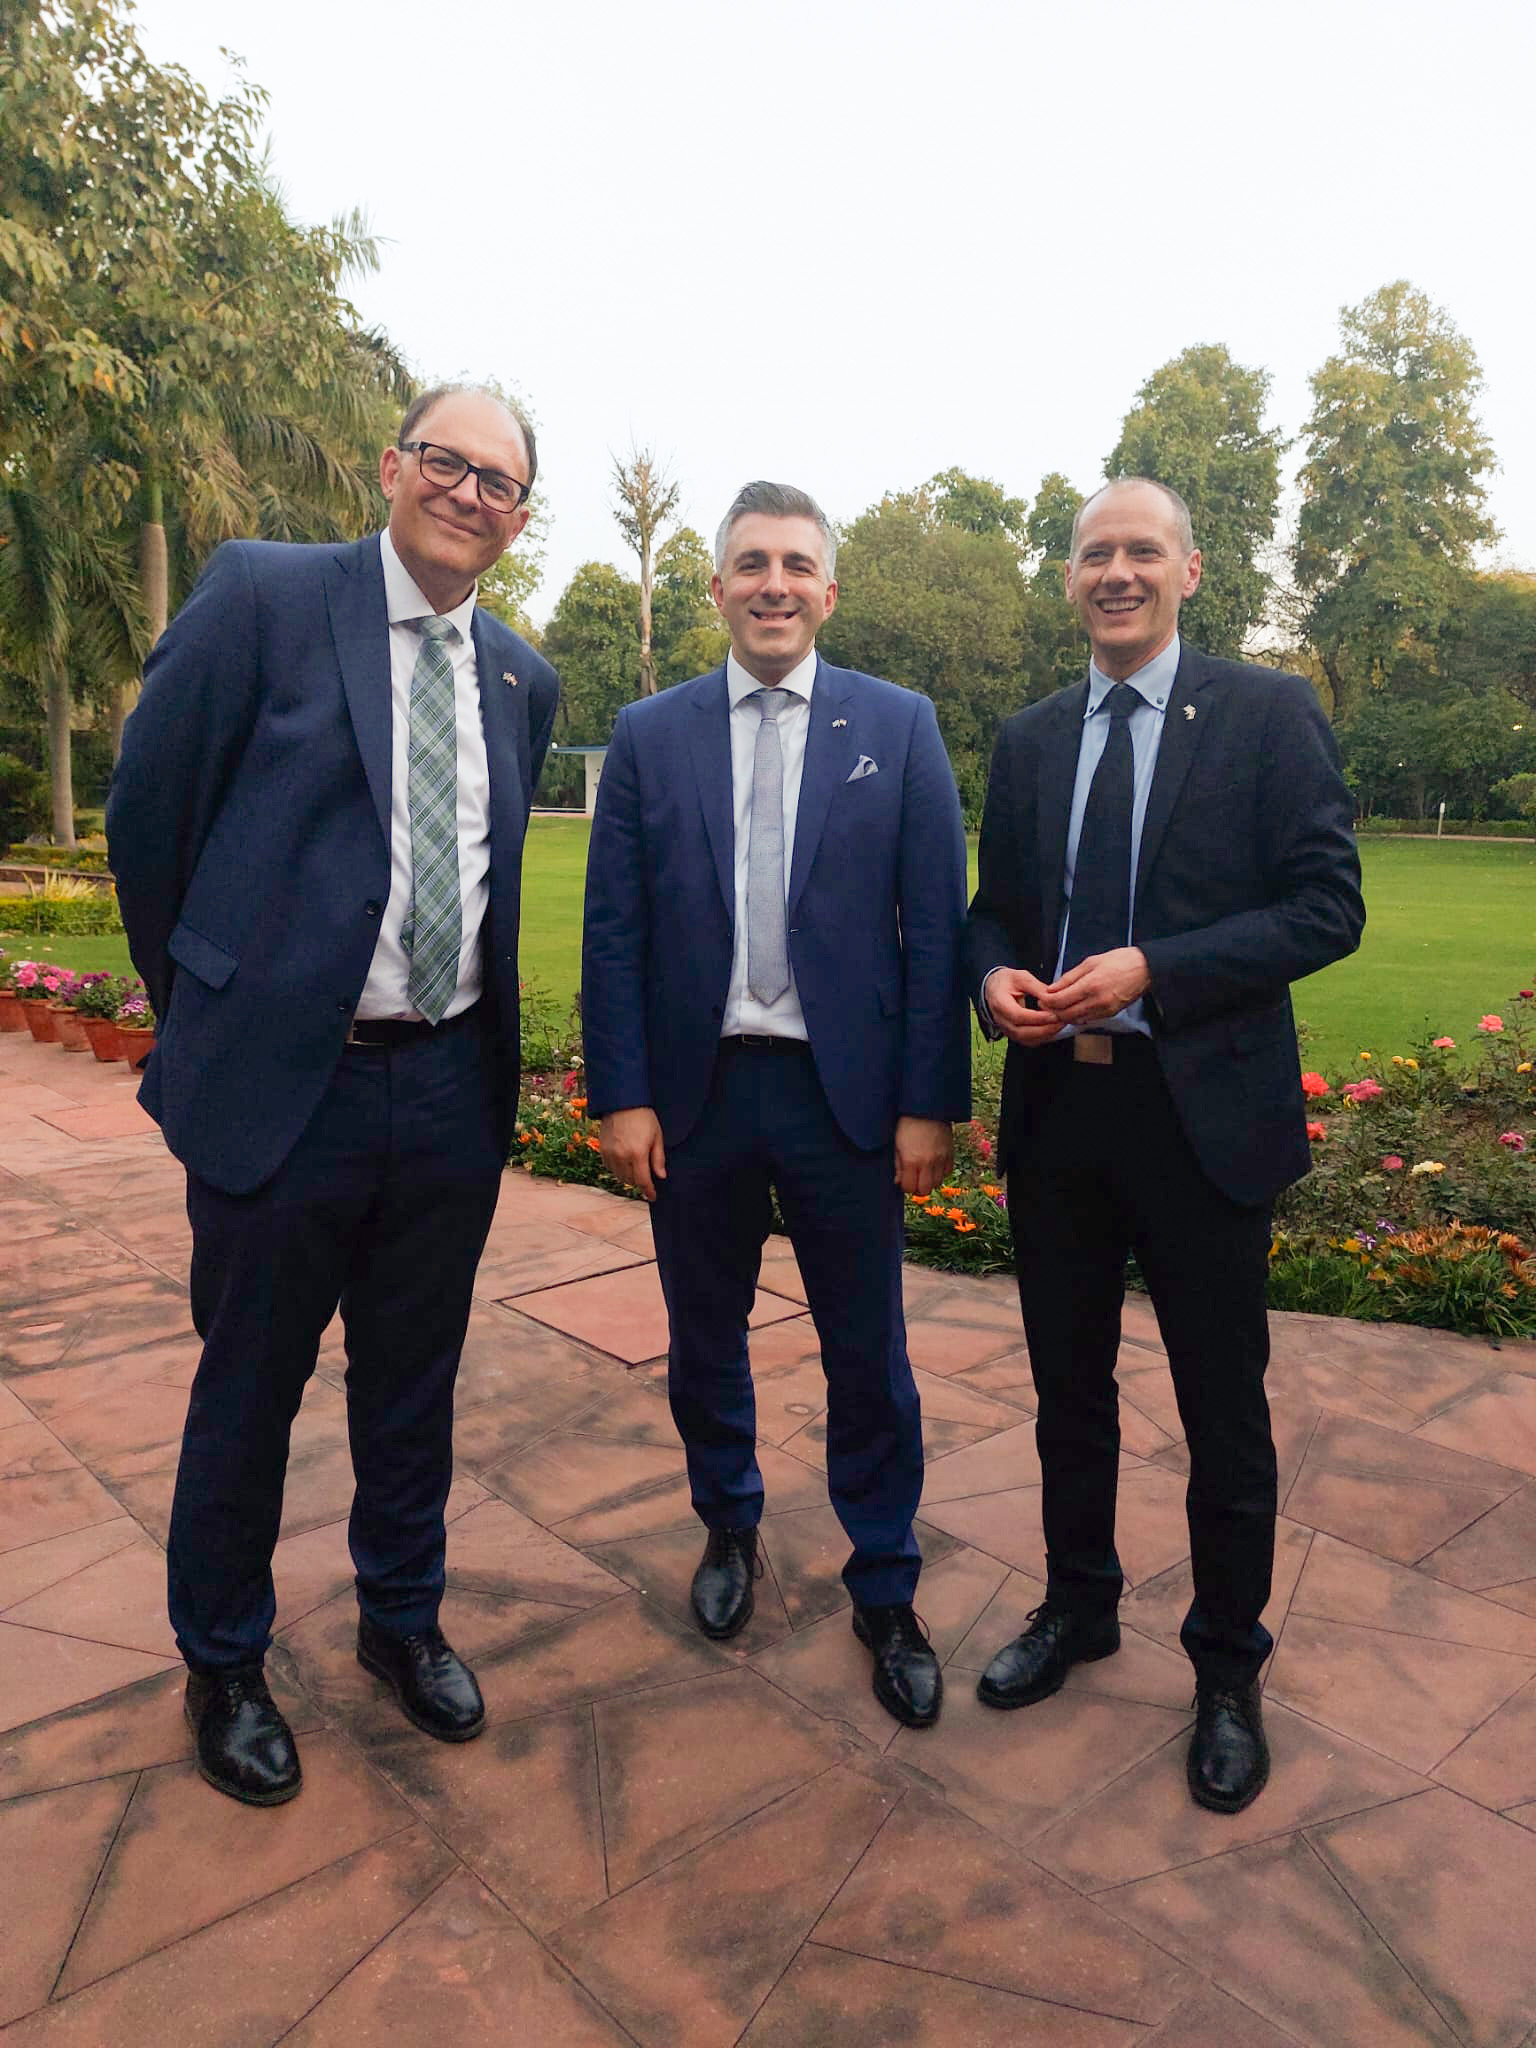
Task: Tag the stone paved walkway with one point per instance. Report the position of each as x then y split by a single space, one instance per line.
665 1842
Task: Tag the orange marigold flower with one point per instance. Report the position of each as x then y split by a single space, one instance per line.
578 1102
951 1191
964 1225
594 1145
955 1215
934 1209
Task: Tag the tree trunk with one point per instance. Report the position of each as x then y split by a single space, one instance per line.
647 582
56 682
155 589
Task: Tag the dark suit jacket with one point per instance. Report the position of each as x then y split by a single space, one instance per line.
249 831
875 909
1248 878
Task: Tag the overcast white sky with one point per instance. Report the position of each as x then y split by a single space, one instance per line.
848 244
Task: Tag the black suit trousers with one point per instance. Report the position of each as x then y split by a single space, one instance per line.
1103 1170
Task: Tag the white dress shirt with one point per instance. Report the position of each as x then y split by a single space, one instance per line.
385 990
743 1011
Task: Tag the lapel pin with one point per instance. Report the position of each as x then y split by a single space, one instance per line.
508 677
1189 710
837 722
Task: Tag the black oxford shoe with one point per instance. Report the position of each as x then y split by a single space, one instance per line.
244 1746
722 1585
1035 1664
1228 1755
908 1682
436 1689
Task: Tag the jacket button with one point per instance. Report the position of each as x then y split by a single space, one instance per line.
343 1005
372 909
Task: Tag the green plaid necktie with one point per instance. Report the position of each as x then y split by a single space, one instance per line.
433 926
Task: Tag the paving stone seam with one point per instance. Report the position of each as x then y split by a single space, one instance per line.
1477 1729
20 1549
1466 1529
69 1949
1415 1635
1318 1850
597 1779
1340 1734
1290 1608
1283 1507
984 1984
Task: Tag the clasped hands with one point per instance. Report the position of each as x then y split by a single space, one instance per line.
1093 991
635 1153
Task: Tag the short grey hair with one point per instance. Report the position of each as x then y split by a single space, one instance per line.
776 501
420 407
1184 532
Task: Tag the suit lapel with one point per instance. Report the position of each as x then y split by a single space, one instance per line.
359 615
1182 733
831 749
709 745
504 721
1056 770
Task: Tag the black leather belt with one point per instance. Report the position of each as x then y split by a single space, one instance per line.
762 1041
384 1034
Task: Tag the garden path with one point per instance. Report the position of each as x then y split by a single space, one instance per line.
667 1842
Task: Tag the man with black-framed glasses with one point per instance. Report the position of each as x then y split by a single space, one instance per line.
316 829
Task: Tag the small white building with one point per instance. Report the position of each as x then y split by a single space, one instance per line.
592 762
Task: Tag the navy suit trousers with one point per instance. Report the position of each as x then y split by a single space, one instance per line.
382 1208
767 1128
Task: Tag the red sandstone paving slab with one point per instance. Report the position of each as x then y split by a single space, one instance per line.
525 1197
459 1969
120 1600
506 1355
1449 1887
628 1409
32 1219
780 1273
1274 1928
108 1120
540 1255
27 1448
620 1222
1004 1525
683 1763
1521 1596
78 1258
186 1855
951 1335
1343 1583
568 1474
244 1981
1303 1367
1496 1765
662 1567
788 1484
496 1549
12 1408
1496 1550
1210 2019
1499 1422
1158 1606
1420 1369
1146 1822
1016 1773
35 1566
807 1550
40 1673
685 1958
99 1178
93 1322
1006 1459
1410 1697
1389 1492
827 1996
624 1314
519 1805
54 1390
36 1505
1003 1379
144 1416
310 1569
627 1645
51 1849
1139 1670
985 1913
485 1435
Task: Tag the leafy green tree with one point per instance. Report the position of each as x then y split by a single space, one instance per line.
691 636
592 640
1393 498
1405 756
1489 636
1198 426
978 505
647 499
1055 649
1048 531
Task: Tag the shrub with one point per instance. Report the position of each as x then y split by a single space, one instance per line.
25 801
63 906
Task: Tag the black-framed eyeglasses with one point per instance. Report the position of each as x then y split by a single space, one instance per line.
444 467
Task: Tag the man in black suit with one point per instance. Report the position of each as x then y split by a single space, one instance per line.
317 832
1165 848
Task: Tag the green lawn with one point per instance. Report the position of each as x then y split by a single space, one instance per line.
1451 934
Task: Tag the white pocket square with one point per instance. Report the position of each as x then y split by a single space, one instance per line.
862 767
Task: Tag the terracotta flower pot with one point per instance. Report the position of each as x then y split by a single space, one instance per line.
69 1028
13 1011
134 1046
102 1035
39 1021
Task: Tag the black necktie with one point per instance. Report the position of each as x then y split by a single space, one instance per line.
1100 915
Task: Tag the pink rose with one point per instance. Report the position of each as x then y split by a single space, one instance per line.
1313 1084
1316 1133
1361 1091
1443 1044
1392 1163
1513 1140
1490 1023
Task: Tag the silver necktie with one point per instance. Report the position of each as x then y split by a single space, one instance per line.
767 949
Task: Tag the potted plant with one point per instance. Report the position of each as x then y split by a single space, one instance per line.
68 1031
95 1001
135 1025
30 979
13 1016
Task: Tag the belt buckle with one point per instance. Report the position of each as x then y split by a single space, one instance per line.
1093 1048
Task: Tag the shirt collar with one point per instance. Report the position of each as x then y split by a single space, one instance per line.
405 602
1153 681
740 685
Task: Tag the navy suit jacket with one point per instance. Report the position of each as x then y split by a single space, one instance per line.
248 824
1248 879
875 910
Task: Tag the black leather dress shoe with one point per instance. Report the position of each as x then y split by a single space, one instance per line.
908 1682
1228 1755
436 1689
244 1746
722 1585
1035 1664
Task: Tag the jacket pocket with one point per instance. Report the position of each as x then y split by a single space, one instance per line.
200 956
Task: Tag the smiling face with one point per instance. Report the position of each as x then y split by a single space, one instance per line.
448 538
1128 575
773 593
